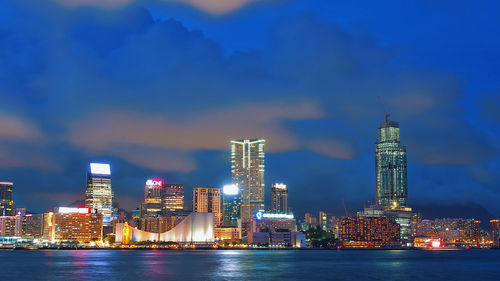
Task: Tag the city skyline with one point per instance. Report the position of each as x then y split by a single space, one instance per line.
249 140
388 136
163 95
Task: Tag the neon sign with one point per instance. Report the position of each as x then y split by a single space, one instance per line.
259 215
154 183
279 186
66 210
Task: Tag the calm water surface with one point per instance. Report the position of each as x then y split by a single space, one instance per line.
249 265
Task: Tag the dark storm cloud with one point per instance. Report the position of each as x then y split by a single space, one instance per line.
152 96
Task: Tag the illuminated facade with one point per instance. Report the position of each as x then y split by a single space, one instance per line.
6 203
99 194
73 224
275 229
457 231
247 169
195 228
227 233
323 220
208 200
173 197
231 198
310 220
495 232
11 225
152 206
390 167
402 216
369 232
279 198
33 225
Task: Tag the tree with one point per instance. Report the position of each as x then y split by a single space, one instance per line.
320 238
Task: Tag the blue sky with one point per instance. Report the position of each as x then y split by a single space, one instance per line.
158 88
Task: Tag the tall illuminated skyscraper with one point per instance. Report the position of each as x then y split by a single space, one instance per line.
247 168
390 167
152 206
231 205
6 203
173 197
208 200
279 198
99 194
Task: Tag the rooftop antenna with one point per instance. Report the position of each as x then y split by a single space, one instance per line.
381 104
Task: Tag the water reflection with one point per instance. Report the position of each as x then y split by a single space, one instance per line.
247 265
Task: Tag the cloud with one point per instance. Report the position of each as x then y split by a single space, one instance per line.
332 148
97 3
153 95
122 134
13 127
215 7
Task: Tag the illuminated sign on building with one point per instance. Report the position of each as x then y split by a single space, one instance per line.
66 210
154 183
174 190
230 189
261 215
100 169
279 186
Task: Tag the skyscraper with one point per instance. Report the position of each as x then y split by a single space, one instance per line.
6 203
99 194
495 231
390 167
323 220
231 198
247 168
208 200
152 206
173 197
279 198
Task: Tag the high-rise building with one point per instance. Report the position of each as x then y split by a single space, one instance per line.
390 167
33 225
401 216
311 220
247 168
173 197
6 203
152 206
99 195
472 230
73 224
323 220
208 200
231 201
279 198
495 231
369 232
11 225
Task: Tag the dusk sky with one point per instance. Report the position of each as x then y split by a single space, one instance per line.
158 89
